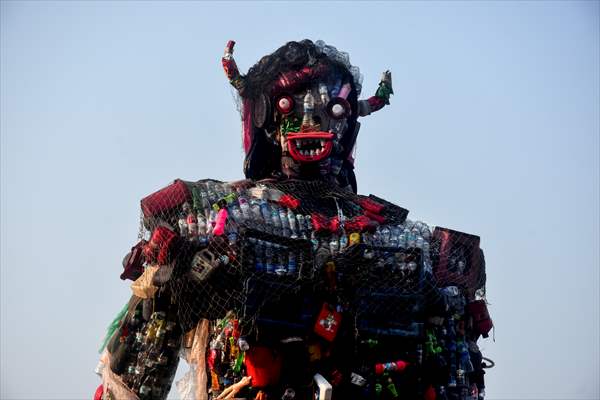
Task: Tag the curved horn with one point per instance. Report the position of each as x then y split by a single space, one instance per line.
381 98
231 70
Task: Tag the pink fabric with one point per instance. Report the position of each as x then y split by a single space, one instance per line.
247 124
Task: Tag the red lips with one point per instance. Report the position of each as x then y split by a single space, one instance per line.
310 146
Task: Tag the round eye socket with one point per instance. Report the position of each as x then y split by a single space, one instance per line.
285 104
338 108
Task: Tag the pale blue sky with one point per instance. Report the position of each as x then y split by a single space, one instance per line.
493 130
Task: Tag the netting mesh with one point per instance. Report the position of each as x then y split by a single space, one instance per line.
280 262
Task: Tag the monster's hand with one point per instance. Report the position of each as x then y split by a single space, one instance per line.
385 87
381 98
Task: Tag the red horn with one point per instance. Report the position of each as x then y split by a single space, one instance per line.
231 70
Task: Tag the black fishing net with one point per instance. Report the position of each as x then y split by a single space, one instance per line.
291 288
276 261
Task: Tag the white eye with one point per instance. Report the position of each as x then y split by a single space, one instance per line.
337 110
284 104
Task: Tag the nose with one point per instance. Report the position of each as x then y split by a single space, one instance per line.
308 122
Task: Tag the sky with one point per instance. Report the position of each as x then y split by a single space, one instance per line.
493 130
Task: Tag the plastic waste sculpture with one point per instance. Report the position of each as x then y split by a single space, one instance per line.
288 284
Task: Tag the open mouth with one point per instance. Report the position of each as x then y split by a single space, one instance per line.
309 146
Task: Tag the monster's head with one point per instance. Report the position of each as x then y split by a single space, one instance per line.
299 110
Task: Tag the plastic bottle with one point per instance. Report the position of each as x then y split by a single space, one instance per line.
236 214
284 222
426 252
201 228
323 94
259 256
384 234
210 192
308 220
281 259
343 241
411 238
291 217
269 258
334 245
465 358
245 208
292 267
255 212
275 221
394 236
301 226
212 216
403 240
265 211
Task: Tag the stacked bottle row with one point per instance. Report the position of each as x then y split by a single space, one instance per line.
198 220
274 258
153 350
407 235
447 349
225 354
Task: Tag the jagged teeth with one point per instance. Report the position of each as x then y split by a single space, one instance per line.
318 146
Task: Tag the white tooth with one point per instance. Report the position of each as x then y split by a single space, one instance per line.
303 152
322 143
312 152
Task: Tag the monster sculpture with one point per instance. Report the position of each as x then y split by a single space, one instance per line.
289 284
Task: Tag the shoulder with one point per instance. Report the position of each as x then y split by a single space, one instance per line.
166 199
198 194
455 256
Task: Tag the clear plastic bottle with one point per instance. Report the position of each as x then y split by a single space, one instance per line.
245 208
420 242
292 267
384 233
269 258
412 239
275 221
291 217
301 226
334 245
281 260
236 214
210 192
265 211
259 256
308 220
201 226
255 211
212 217
284 222
183 226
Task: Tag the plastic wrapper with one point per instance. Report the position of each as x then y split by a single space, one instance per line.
143 286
